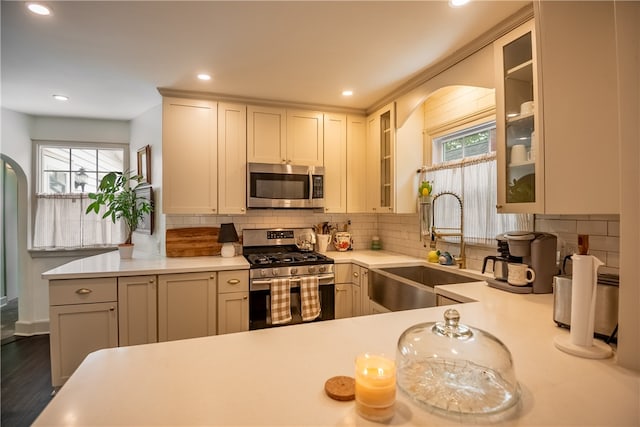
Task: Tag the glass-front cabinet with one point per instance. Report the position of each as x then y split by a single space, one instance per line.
519 152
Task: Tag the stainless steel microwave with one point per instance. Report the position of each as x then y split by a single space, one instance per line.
284 186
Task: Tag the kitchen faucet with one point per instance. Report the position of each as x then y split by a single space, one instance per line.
448 231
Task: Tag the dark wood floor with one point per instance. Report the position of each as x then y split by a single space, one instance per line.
26 379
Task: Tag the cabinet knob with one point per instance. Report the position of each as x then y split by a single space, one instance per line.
112 309
151 280
233 281
355 274
83 291
498 206
245 297
212 277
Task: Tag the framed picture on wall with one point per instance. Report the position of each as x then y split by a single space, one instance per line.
146 224
144 164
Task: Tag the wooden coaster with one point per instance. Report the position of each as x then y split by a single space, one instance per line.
341 388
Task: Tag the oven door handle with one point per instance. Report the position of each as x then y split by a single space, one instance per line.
258 285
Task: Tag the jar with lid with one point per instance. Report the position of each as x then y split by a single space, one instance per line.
456 369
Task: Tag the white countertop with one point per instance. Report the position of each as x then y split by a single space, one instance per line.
275 377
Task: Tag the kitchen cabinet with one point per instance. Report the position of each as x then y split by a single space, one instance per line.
578 72
356 164
232 159
278 135
233 301
360 282
335 168
393 157
343 291
519 152
187 305
137 310
84 318
189 156
565 62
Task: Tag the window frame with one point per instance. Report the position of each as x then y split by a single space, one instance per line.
37 179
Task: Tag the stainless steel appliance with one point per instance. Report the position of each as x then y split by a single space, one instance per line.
283 253
284 186
606 313
538 251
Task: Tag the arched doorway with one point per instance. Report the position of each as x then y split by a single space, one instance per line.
13 230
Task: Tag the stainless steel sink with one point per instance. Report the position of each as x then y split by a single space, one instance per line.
406 288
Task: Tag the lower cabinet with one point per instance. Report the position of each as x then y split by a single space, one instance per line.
187 304
351 279
84 318
137 310
233 301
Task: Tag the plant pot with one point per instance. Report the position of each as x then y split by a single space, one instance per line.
126 250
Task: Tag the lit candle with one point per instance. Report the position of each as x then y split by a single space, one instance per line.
375 386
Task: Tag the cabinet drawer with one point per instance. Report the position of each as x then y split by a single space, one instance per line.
233 281
80 291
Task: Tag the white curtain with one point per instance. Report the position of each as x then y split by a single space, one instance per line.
474 180
61 222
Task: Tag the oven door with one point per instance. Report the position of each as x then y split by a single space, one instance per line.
284 186
260 303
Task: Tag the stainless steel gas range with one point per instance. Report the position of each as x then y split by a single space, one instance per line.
285 253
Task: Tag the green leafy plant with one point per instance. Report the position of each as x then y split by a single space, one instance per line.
118 193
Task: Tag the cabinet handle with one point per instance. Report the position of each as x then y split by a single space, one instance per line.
212 277
233 281
83 291
355 274
112 309
151 280
498 206
244 297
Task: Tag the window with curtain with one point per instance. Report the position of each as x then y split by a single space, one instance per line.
65 174
465 164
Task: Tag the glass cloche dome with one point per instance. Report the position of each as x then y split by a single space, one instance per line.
447 366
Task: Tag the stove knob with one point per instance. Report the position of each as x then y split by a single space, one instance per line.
263 272
322 269
294 270
275 271
312 269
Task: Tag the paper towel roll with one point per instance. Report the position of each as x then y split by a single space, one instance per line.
583 298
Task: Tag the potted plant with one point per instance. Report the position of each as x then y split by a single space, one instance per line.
117 193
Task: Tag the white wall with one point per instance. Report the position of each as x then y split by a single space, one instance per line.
147 130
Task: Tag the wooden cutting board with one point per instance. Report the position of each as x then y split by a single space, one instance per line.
195 241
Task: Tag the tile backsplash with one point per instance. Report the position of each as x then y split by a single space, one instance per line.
400 232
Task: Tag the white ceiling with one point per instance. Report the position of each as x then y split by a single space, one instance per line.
110 57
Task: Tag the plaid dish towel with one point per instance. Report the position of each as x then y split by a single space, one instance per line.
309 298
280 301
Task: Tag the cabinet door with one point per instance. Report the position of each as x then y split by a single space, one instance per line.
186 305
266 135
305 137
233 312
519 152
343 300
380 160
189 156
335 168
232 158
76 331
356 164
137 310
360 289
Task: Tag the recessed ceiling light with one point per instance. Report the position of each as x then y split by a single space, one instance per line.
60 97
203 76
458 3
39 9
347 92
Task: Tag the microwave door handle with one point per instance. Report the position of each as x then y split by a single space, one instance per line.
310 185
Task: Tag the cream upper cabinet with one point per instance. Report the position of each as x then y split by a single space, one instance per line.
189 156
356 164
187 305
232 158
520 148
335 168
305 137
278 135
579 116
266 134
560 155
137 310
373 163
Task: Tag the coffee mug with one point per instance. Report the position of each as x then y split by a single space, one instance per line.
520 274
518 153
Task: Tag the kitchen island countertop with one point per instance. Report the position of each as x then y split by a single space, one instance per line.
275 377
